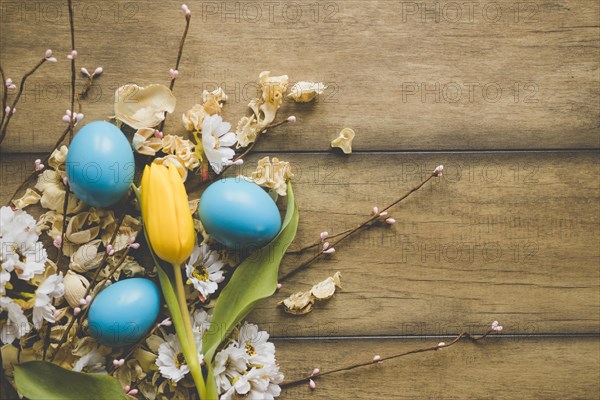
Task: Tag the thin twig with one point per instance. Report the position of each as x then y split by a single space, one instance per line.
188 18
4 95
366 223
62 137
381 359
72 108
17 98
310 246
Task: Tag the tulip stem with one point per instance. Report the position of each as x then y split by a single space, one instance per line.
192 358
180 315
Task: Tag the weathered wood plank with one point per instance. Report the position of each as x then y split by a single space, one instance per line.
507 236
497 369
404 75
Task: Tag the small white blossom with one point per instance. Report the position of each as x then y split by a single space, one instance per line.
217 140
43 308
20 250
204 270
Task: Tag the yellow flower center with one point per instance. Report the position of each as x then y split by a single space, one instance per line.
179 360
250 349
200 273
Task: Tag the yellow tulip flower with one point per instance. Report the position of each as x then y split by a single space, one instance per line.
167 214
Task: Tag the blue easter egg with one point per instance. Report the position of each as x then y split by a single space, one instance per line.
100 164
239 214
124 312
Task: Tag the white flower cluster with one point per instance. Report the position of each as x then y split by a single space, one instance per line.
23 257
247 367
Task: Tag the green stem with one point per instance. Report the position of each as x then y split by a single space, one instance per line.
179 314
193 361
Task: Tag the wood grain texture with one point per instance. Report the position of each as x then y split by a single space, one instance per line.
497 369
404 75
508 236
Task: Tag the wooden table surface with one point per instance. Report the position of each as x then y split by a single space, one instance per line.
505 94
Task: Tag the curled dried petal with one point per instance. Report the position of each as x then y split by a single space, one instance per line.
324 290
344 140
75 287
145 142
143 107
303 92
299 303
30 197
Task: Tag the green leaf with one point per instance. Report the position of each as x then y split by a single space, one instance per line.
44 380
253 280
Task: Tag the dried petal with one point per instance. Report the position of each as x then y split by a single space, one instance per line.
143 107
86 257
30 197
344 140
58 158
299 303
218 94
303 92
324 290
144 142
75 288
272 174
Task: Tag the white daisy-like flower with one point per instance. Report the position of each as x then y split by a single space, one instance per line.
256 384
204 270
247 367
43 309
217 140
20 250
92 362
171 361
259 351
15 325
230 363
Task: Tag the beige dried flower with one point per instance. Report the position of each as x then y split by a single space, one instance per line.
324 290
218 94
299 303
246 131
303 92
86 257
193 118
50 185
82 228
183 149
213 103
273 174
58 158
75 287
29 198
145 142
344 140
303 302
265 108
129 228
143 107
273 87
